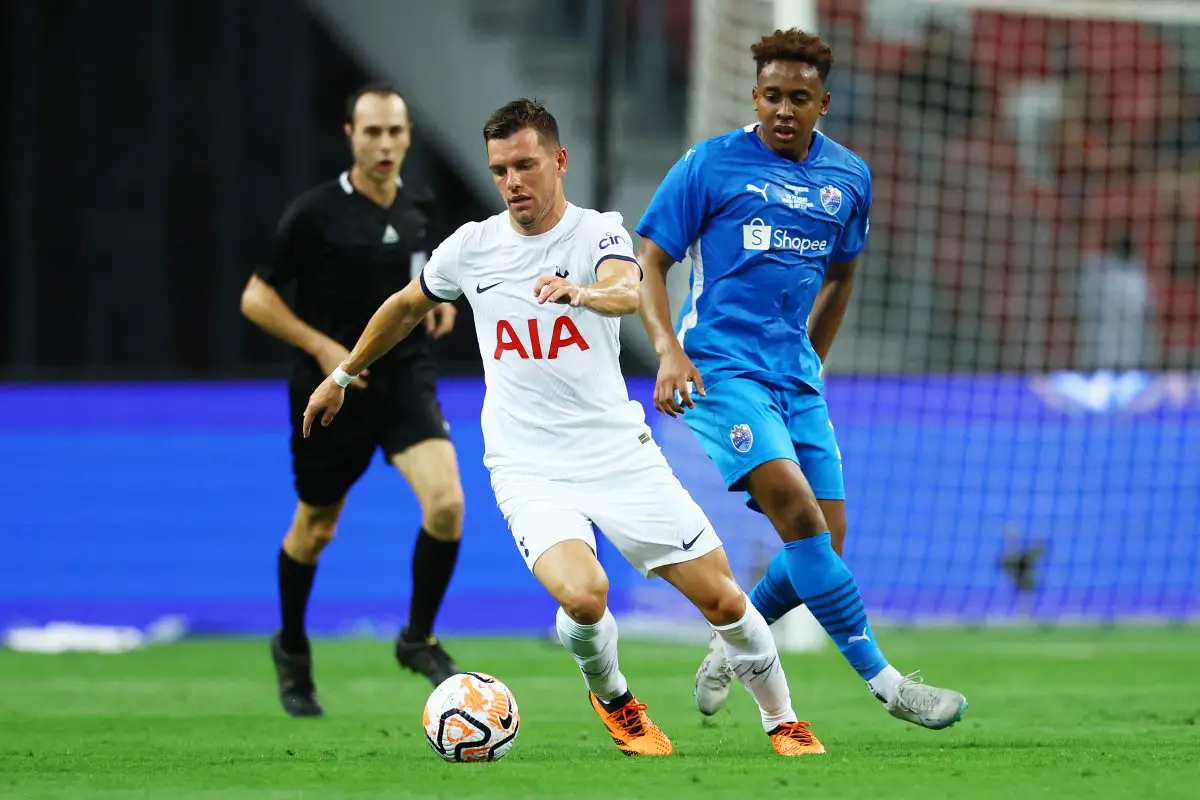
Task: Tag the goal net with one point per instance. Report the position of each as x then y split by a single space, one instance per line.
1016 388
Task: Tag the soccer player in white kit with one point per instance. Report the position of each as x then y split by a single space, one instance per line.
566 447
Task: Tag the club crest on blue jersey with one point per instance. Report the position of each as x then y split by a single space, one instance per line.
741 437
831 198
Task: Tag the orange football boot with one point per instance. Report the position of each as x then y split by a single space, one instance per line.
632 730
795 739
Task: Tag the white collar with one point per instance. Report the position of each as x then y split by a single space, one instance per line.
348 187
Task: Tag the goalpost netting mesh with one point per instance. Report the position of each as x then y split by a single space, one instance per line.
1016 388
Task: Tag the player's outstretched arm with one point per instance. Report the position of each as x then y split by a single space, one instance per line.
677 375
388 326
830 306
614 294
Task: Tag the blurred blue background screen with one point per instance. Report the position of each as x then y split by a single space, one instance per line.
970 498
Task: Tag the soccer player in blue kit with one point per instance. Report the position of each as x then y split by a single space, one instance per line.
774 216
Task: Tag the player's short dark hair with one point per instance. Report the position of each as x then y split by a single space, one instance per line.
518 115
794 45
375 87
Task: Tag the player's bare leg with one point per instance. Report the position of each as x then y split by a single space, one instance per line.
749 647
819 578
571 573
431 469
834 512
773 597
313 528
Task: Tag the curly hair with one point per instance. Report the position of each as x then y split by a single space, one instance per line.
794 45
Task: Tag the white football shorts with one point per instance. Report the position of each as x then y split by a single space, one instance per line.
644 511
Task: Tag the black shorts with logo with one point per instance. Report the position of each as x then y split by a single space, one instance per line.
392 414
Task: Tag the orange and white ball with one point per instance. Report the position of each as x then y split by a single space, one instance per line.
471 717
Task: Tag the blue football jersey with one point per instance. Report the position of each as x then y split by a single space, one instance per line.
761 231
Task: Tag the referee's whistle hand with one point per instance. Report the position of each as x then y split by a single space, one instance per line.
324 402
440 320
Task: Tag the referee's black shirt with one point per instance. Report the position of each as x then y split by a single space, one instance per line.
346 256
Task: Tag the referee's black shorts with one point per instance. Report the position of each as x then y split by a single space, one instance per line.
392 415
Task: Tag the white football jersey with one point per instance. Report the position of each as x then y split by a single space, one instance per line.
556 402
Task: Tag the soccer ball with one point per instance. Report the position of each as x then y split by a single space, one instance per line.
471 717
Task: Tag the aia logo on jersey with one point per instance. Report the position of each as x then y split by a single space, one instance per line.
741 437
563 335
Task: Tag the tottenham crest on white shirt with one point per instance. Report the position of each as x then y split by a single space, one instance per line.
556 402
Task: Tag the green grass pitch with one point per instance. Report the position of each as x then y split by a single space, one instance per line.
1054 714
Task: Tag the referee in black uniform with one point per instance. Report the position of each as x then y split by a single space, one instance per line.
348 245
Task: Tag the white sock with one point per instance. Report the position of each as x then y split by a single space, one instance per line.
595 651
754 658
886 683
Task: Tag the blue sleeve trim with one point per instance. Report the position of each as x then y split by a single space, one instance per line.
429 292
621 258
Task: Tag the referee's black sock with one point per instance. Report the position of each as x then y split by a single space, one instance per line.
432 566
295 585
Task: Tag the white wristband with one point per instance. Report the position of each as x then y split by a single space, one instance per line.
341 377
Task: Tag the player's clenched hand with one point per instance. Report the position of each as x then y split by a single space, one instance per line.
676 377
555 289
324 402
440 320
331 356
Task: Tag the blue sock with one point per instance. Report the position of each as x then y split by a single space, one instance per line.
823 581
773 595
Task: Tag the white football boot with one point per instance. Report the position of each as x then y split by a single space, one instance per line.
713 678
924 705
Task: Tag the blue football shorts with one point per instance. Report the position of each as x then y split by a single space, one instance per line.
743 424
